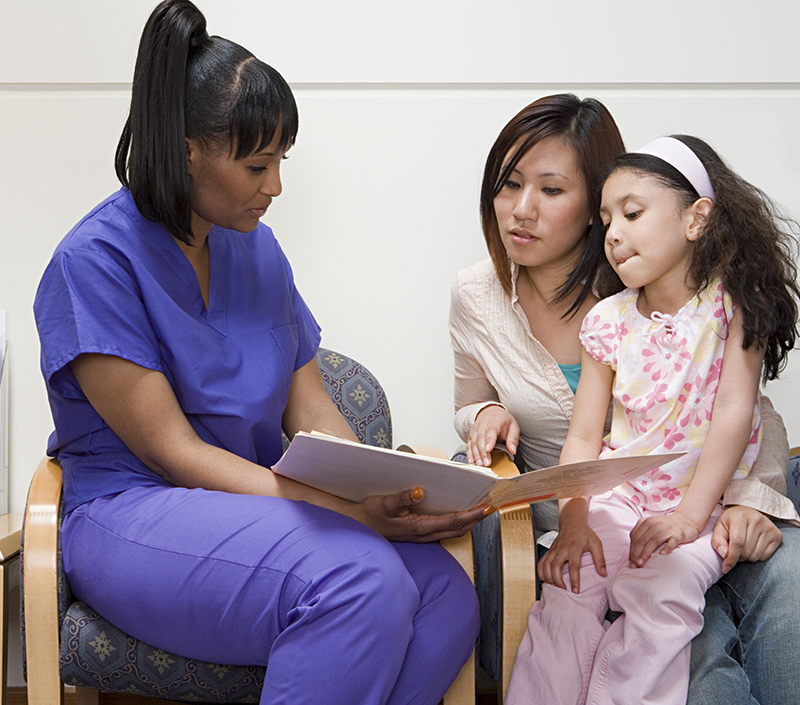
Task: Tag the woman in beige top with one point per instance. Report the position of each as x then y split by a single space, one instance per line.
514 325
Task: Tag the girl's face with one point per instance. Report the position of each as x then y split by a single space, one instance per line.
543 209
232 193
649 235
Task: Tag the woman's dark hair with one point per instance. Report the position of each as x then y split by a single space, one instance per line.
748 242
187 84
589 128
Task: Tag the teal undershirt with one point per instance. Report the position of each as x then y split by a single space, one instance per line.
572 373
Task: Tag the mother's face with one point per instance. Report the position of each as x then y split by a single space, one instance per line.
542 209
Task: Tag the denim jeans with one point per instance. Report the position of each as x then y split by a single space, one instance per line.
747 653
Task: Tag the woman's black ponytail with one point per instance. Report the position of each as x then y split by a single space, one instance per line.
151 155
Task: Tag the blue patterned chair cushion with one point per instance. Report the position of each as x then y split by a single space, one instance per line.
793 481
95 654
359 397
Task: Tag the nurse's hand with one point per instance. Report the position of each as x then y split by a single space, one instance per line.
392 517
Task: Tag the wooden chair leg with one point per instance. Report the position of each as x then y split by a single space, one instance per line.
87 696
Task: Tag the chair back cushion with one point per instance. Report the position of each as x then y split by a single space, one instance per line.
793 481
359 397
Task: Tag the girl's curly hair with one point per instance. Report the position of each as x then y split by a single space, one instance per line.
748 242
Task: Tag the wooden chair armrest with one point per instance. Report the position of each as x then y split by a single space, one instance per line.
502 465
519 583
518 556
40 545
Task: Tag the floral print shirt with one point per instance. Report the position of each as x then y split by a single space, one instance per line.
667 373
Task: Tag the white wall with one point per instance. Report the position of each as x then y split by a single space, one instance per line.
399 104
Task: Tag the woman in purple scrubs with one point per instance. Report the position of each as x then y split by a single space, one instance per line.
175 348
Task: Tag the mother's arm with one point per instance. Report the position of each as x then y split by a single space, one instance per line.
480 417
139 405
744 534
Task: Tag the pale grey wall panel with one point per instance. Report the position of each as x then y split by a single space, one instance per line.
421 41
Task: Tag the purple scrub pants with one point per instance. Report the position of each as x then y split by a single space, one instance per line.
336 613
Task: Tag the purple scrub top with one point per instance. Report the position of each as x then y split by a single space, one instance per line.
119 284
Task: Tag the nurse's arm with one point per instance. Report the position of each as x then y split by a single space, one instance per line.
139 405
309 407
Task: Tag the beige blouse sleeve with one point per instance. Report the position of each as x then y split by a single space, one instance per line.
472 390
764 488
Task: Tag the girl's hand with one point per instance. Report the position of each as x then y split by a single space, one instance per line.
652 532
492 422
743 533
575 538
392 518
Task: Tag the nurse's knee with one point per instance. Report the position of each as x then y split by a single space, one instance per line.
461 602
443 586
373 583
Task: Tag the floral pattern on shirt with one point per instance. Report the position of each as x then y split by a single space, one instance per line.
667 371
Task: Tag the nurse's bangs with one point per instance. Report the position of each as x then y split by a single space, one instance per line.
263 105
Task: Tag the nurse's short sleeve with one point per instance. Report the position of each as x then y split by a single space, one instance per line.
599 334
88 302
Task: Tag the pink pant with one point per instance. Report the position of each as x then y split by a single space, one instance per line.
571 655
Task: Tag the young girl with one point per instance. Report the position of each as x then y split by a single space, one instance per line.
710 309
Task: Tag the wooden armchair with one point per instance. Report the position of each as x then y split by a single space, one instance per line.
505 581
65 641
518 558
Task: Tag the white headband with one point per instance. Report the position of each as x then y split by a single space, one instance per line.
677 154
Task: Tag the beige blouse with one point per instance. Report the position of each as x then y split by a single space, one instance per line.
498 361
